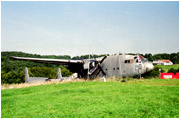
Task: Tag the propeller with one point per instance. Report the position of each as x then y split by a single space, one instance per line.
94 71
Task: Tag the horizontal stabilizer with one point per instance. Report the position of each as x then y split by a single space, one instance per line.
37 79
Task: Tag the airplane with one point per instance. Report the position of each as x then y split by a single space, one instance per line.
121 65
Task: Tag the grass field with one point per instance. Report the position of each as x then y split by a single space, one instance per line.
166 67
136 98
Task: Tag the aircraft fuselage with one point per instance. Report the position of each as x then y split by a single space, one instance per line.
125 65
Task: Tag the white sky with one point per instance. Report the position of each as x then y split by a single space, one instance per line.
68 28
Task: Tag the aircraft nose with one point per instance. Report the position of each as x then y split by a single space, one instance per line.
150 66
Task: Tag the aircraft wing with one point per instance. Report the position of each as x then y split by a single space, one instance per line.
52 61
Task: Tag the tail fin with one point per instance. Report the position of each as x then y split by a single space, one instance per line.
26 75
59 74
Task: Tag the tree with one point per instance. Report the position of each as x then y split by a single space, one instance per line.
172 70
149 56
175 59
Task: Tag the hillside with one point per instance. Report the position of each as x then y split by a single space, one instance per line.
133 99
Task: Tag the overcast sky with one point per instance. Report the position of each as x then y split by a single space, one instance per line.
69 28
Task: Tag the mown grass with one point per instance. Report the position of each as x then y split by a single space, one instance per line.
132 99
167 67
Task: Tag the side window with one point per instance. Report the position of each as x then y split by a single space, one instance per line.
131 61
128 61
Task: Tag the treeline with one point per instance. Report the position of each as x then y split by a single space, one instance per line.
173 57
22 54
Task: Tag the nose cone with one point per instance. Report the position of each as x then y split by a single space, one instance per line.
150 66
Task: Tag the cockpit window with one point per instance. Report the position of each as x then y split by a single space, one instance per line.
146 60
137 61
140 59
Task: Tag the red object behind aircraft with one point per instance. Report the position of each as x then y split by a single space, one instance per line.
169 76
176 76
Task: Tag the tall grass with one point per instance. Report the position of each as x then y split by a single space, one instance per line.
131 99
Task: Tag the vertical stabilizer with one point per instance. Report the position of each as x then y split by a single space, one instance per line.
59 74
26 75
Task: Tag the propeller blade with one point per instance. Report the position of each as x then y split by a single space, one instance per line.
93 70
98 67
102 70
103 59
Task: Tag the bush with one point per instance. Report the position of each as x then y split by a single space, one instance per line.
172 70
154 73
177 70
65 72
48 72
12 77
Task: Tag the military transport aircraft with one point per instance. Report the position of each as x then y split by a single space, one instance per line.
116 65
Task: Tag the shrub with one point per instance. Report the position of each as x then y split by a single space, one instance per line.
172 70
177 70
12 77
154 73
65 72
48 72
